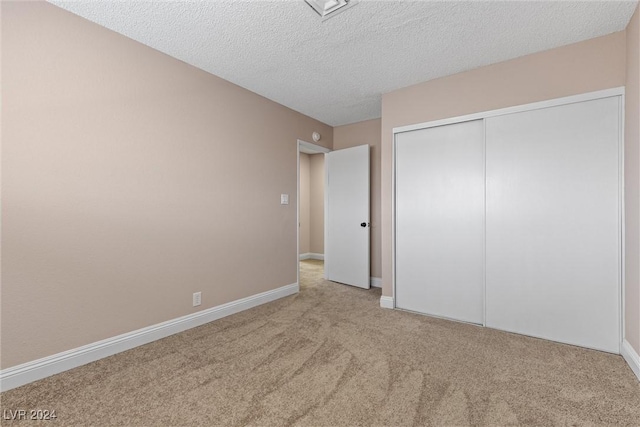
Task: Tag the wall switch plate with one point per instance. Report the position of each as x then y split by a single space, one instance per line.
284 199
197 298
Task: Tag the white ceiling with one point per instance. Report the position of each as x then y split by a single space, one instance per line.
337 70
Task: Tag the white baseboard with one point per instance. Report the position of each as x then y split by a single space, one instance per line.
311 255
632 358
386 302
376 282
32 371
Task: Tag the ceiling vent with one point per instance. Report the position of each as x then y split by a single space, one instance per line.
330 8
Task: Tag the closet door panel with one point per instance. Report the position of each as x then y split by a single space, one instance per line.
552 224
440 221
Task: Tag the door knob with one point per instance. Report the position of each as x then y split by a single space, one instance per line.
363 224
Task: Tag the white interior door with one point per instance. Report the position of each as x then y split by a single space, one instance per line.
552 225
347 222
440 221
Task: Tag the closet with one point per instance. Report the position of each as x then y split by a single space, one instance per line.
512 220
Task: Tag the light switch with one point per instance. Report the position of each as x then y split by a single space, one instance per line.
284 199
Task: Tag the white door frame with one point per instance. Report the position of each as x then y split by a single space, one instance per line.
618 91
308 148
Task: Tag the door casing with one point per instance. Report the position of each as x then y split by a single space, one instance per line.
310 149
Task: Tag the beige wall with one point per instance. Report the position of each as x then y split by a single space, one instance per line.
305 204
632 185
316 202
130 181
578 68
367 132
311 203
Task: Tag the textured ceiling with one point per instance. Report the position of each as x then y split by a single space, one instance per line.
337 70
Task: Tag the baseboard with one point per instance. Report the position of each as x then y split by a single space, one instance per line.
311 255
386 302
632 358
376 282
38 369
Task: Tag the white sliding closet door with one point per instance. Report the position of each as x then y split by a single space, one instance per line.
552 225
440 221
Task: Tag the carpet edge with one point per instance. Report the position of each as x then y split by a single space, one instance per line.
28 372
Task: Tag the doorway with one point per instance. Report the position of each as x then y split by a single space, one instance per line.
311 210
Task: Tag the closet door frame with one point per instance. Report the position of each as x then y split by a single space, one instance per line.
618 92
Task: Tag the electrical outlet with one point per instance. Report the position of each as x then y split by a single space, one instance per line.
197 298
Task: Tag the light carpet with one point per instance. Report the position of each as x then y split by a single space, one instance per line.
330 356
